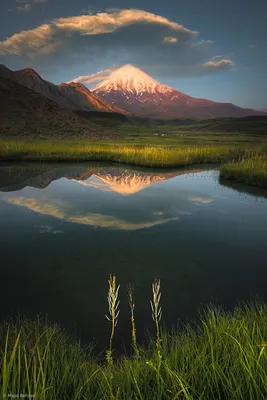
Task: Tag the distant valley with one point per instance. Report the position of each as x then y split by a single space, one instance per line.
129 102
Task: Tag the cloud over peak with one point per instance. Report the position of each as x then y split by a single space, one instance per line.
27 42
129 36
97 77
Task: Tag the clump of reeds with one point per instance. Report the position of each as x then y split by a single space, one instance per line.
131 302
113 305
252 171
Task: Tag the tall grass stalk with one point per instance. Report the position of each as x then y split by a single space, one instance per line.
131 302
113 305
156 310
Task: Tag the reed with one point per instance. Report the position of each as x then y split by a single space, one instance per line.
156 310
113 305
131 302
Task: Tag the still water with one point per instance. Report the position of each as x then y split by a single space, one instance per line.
65 228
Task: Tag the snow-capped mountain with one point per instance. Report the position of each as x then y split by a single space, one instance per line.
132 80
133 90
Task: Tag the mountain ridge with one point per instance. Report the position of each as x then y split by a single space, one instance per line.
27 114
71 96
133 90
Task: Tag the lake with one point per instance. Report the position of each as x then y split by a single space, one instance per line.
66 227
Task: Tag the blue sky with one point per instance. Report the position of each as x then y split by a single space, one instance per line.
209 49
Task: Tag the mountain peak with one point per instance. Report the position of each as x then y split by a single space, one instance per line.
133 90
29 72
130 79
131 72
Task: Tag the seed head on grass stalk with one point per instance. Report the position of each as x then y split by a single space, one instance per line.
113 305
131 302
156 311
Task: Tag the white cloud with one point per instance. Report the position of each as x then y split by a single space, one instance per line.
121 37
215 65
170 39
23 8
97 77
33 40
217 57
200 43
110 22
49 229
26 5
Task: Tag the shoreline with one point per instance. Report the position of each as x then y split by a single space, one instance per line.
237 164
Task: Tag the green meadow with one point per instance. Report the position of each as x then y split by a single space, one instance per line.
240 143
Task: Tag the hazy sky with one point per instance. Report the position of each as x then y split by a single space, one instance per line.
205 48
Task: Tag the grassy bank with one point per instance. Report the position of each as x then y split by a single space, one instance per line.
224 358
241 163
142 155
252 171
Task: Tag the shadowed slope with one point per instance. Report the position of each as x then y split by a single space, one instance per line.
74 96
27 114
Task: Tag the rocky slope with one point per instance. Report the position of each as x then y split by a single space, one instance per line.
26 114
74 96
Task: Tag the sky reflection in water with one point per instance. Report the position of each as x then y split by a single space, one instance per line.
65 228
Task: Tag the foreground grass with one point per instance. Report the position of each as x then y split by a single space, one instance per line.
142 155
252 171
224 358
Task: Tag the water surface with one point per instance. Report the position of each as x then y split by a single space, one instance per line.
65 228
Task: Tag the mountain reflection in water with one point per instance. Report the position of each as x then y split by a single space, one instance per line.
123 180
120 180
66 227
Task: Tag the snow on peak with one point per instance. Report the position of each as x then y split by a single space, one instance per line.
131 72
128 78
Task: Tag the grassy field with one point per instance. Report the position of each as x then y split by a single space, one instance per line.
137 154
224 358
243 162
151 142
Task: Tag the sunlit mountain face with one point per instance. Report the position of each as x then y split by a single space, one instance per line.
74 96
133 90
